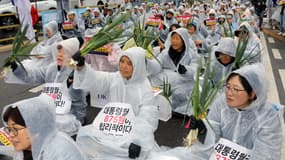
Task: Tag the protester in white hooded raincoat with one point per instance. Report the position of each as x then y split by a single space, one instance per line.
54 74
135 90
180 79
45 50
223 58
255 125
39 130
253 48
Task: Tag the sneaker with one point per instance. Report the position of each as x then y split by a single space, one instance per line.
280 33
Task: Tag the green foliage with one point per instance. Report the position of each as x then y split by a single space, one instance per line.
21 47
109 33
240 58
144 37
203 96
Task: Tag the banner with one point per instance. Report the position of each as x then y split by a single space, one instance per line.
211 22
153 21
227 150
184 19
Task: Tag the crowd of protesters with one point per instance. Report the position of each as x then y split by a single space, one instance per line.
223 33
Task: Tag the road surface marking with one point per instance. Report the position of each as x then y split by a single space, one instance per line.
282 76
276 53
37 89
271 40
272 94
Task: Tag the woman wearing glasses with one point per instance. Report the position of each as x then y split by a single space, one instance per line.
31 126
243 116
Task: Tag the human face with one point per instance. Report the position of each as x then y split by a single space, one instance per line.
243 34
224 59
212 16
61 57
177 42
236 96
191 29
49 33
71 17
126 67
19 137
169 15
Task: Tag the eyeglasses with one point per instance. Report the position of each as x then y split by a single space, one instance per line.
233 90
13 130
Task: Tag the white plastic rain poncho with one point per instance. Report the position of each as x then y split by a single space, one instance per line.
253 48
257 127
135 91
47 143
45 50
181 84
51 74
197 36
226 46
213 37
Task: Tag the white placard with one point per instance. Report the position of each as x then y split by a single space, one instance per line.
115 120
228 150
62 101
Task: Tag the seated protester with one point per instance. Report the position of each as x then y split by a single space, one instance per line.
231 22
32 129
45 51
212 38
246 37
98 19
58 73
174 27
223 58
243 116
192 45
86 17
222 27
71 17
129 85
73 27
198 39
169 18
178 65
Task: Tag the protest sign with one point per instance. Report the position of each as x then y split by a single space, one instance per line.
115 120
227 150
61 100
4 138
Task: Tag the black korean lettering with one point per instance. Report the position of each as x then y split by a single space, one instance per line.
101 126
128 129
125 111
243 156
118 111
106 110
219 147
112 111
226 151
234 153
